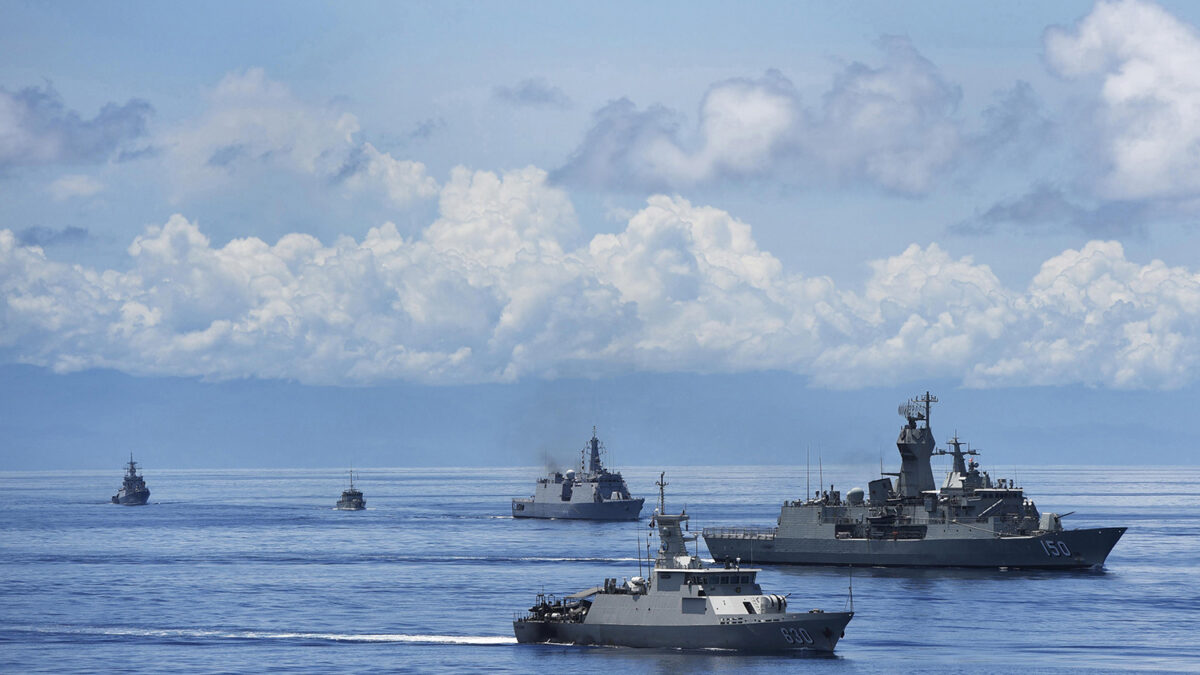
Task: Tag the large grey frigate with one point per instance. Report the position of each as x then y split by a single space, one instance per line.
133 491
973 521
683 605
594 494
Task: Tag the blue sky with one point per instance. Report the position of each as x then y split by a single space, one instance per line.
464 213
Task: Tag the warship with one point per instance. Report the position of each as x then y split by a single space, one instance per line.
683 605
352 498
974 520
133 490
594 494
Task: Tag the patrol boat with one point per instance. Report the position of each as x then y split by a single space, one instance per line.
973 521
133 490
595 494
682 605
352 498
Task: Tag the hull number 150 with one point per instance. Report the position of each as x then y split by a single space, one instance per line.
1056 549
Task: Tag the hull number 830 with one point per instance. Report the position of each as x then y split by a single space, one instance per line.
1056 549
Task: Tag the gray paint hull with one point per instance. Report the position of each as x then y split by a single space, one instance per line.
823 629
138 498
623 509
1067 549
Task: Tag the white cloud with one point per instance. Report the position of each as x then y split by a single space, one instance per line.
74 185
743 124
489 292
1148 67
403 181
254 124
892 126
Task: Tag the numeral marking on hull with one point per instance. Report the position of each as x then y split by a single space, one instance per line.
796 636
1056 549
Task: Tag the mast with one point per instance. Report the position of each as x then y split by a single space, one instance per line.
916 445
594 465
662 485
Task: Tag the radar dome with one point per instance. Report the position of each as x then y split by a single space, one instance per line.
855 496
570 474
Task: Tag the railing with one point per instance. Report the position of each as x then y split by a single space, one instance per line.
741 532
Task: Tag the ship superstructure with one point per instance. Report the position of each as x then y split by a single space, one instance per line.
974 520
682 604
592 493
133 490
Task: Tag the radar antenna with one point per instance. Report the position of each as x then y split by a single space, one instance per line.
958 453
917 409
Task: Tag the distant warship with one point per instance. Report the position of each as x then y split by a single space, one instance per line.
682 605
352 498
973 521
133 490
596 494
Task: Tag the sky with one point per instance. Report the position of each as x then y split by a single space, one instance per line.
442 234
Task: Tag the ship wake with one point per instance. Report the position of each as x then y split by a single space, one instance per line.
102 633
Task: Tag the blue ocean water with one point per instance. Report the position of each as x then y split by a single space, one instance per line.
253 571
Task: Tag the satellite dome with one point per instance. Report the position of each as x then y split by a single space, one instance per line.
855 496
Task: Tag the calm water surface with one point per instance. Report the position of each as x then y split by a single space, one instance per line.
252 571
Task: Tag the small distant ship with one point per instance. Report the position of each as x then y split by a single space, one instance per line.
683 605
352 498
595 494
133 490
973 521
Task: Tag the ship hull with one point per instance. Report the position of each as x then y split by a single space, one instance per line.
616 509
350 506
137 498
1066 549
818 632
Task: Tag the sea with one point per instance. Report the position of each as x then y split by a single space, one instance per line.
253 571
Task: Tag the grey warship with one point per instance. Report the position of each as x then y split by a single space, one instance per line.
133 491
973 521
352 498
683 605
594 494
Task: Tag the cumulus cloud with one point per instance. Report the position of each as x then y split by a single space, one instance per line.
532 92
893 126
36 128
1147 67
489 292
743 124
254 124
1104 320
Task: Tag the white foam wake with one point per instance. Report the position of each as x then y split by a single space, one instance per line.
175 633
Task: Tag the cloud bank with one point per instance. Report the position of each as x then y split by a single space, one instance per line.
489 293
